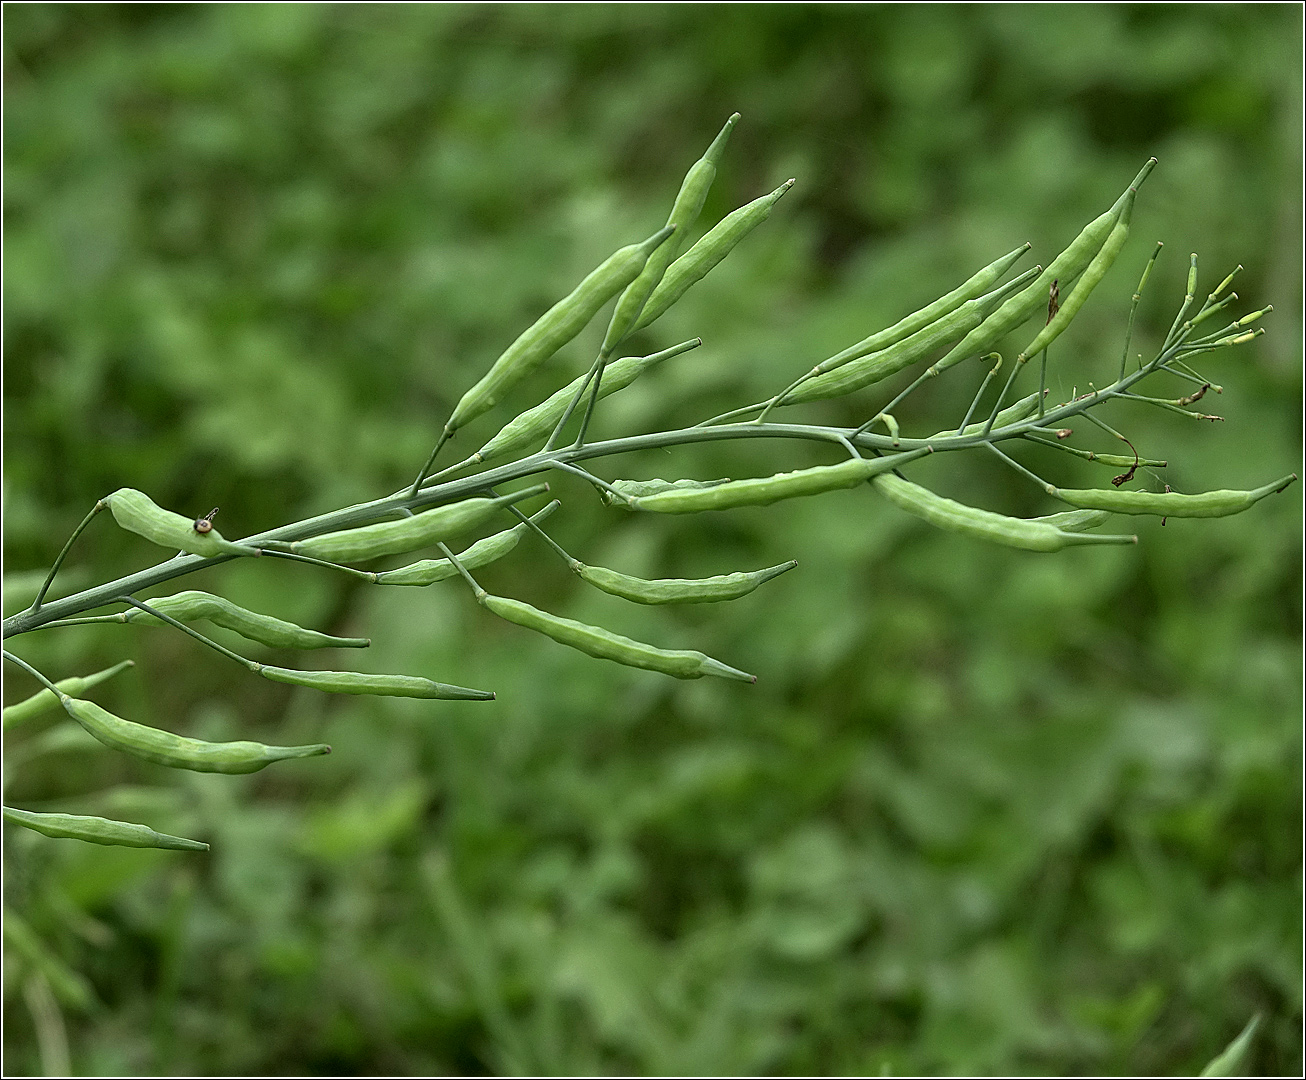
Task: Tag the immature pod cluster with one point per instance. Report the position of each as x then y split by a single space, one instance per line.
534 425
764 490
45 700
1219 503
552 330
410 533
137 512
684 213
355 682
595 641
98 830
192 604
481 553
1030 535
708 590
176 751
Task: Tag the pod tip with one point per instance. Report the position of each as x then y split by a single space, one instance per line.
734 118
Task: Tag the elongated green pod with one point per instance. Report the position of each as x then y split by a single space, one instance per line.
1169 503
873 367
1076 520
699 260
192 604
552 330
1235 1059
764 490
534 425
630 489
1012 414
98 830
354 682
137 512
1063 269
684 213
708 590
972 288
410 533
177 751
1087 282
952 516
44 701
595 641
481 553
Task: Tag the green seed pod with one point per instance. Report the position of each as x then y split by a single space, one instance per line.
44 701
98 830
410 533
190 605
764 490
983 524
1087 282
684 212
481 553
552 330
1235 1059
354 682
1064 268
1012 414
696 263
1169 503
631 489
176 751
595 641
137 512
709 590
1076 520
535 425
970 289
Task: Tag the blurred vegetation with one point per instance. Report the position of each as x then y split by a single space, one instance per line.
984 812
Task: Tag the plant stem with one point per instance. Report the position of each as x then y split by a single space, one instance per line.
49 580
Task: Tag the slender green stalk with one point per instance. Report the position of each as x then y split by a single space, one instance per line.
251 664
49 580
1133 307
980 392
1021 469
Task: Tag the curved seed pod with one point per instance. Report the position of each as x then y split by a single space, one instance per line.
595 641
696 263
1012 414
861 371
192 604
44 701
552 330
354 682
1065 267
137 512
176 751
707 590
684 212
970 289
534 425
983 524
630 489
764 490
1169 503
1087 282
1076 520
481 553
98 830
410 533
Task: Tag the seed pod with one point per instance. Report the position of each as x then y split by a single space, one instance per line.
1169 503
1012 414
481 553
684 212
983 524
707 590
1064 268
1076 520
595 641
44 700
535 425
137 512
552 330
410 533
354 682
630 489
764 490
695 264
98 830
190 605
176 751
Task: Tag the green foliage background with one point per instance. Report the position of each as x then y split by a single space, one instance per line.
984 811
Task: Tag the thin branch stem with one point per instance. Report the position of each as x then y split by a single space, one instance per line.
462 570
1021 468
33 672
251 664
364 575
980 392
573 563
49 579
